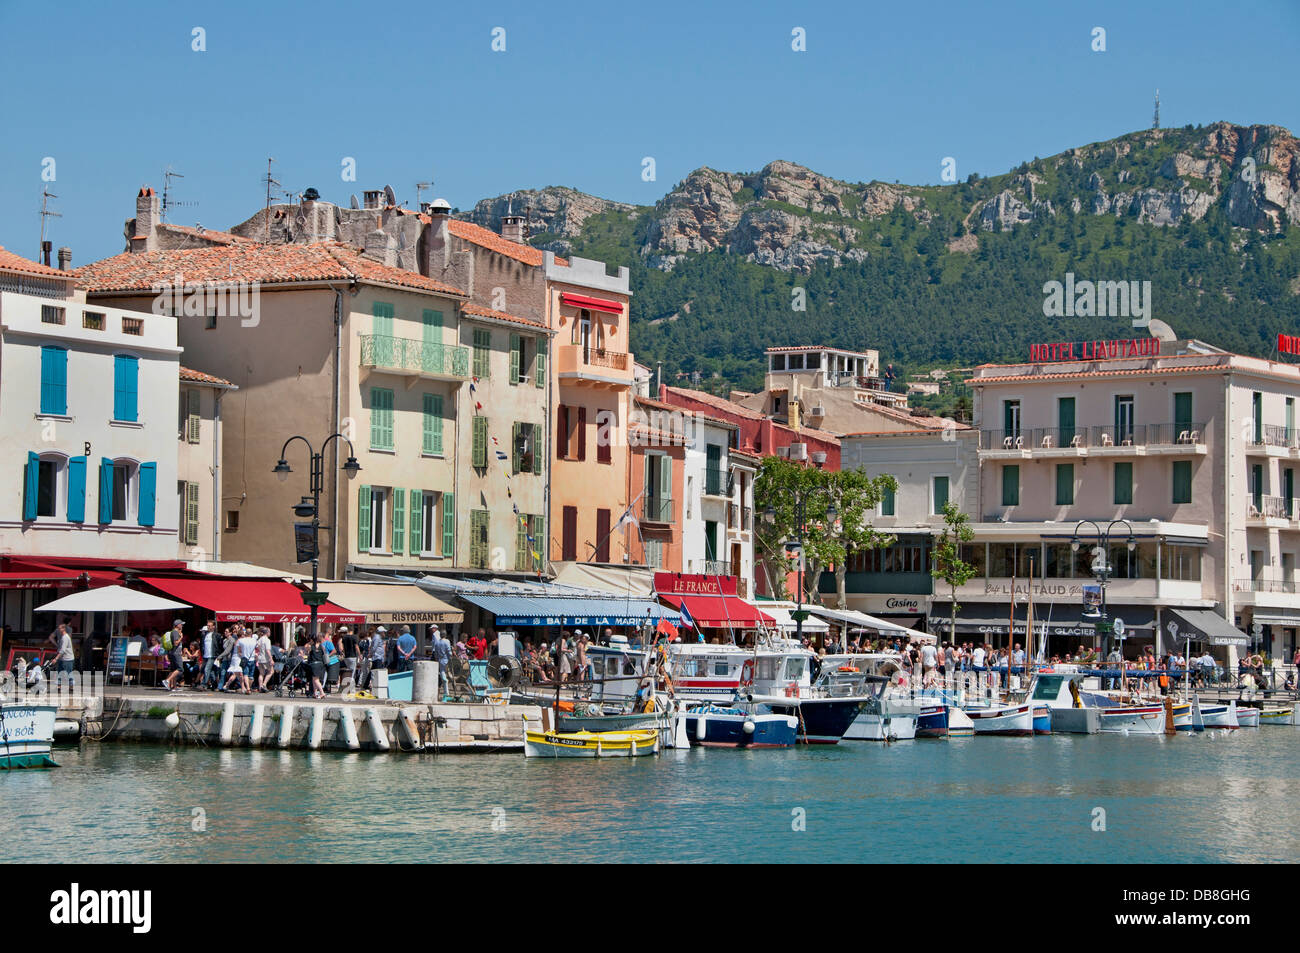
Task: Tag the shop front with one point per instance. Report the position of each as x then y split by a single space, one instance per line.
710 608
1063 625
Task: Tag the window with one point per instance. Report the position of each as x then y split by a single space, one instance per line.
190 415
519 358
133 326
52 314
1290 422
1123 483
1065 420
478 447
126 384
1011 485
1065 484
381 418
1288 491
1257 487
190 514
123 482
1182 480
47 487
54 380
602 535
887 502
432 424
714 479
1011 418
1002 560
1059 561
210 321
232 521
569 534
372 519
1182 563
1182 412
940 494
526 459
479 550
1257 415
654 553
482 352
92 320
1123 419
426 523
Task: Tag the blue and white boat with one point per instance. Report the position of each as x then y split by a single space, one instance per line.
822 720
715 726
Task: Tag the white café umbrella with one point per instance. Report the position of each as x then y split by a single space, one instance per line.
110 599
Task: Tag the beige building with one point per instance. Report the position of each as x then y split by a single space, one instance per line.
199 465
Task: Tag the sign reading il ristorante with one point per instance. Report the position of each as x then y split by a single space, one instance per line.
1094 350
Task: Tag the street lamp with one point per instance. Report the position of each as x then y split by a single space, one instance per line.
1101 567
800 526
310 506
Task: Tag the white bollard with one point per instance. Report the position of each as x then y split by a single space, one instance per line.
287 713
424 682
317 726
227 722
256 724
349 728
377 733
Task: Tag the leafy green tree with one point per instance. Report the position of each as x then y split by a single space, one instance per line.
946 563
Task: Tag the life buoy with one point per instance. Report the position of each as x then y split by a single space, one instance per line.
747 673
792 690
848 668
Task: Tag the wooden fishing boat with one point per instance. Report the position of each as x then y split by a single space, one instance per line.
1220 715
1002 719
714 726
590 744
26 732
1247 716
1278 716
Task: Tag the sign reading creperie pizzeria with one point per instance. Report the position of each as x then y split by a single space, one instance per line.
687 584
1094 350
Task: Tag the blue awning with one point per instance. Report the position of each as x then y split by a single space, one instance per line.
532 610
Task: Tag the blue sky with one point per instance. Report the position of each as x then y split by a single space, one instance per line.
114 93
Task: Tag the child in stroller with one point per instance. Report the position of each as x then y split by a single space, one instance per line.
292 673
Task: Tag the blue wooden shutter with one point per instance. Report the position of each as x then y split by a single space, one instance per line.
54 380
148 494
105 490
77 490
31 484
126 374
448 525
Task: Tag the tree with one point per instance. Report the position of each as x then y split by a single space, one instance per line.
856 496
946 563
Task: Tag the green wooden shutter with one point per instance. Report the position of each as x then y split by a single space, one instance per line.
540 375
382 328
191 514
478 539
363 520
537 448
523 560
887 502
539 542
482 353
1183 481
1123 483
1065 484
665 511
449 525
1065 420
1011 485
515 455
1182 412
478 454
192 416
432 424
417 522
432 326
399 521
381 418
514 358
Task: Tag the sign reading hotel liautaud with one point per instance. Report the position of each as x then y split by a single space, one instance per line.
1094 350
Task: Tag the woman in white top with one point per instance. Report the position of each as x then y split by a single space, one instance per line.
265 660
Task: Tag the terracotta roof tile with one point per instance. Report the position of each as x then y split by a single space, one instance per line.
486 238
189 374
1118 372
11 262
474 309
250 261
206 234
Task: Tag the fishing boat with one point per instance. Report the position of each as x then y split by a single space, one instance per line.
26 732
822 720
885 714
1277 716
885 718
933 720
1220 715
1133 719
1002 719
716 726
1247 716
716 673
590 744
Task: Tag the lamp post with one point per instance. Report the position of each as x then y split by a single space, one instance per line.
1101 567
800 528
312 508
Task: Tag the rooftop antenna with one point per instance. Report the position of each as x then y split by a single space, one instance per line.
167 200
46 195
419 190
1155 123
271 182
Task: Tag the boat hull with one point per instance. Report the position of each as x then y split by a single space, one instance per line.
26 735
713 727
821 721
1220 716
590 744
1003 720
1042 720
1278 716
1076 721
932 722
648 721
1133 720
1248 717
885 719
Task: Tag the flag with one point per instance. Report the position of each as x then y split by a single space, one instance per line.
625 520
501 455
687 621
477 405
667 628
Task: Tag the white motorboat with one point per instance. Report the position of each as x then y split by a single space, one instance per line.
1002 719
1220 715
26 732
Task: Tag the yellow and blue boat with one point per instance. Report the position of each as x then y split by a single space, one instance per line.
590 744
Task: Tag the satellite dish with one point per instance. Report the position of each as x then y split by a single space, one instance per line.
390 196
352 202
1159 329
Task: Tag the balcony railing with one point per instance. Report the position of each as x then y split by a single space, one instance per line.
1265 585
1275 435
1271 507
715 481
415 357
658 509
717 567
1080 438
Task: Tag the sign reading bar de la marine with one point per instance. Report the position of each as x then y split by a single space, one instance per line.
1095 350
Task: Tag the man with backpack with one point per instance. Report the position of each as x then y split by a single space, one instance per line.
172 643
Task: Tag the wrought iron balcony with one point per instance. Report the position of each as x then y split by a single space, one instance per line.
658 509
418 358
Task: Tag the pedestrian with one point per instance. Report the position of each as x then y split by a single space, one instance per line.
316 663
346 643
378 649
265 659
65 664
442 655
405 650
174 644
208 647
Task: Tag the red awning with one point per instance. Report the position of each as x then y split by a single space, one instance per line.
250 600
38 580
594 304
720 612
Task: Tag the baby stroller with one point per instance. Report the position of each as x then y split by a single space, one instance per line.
294 676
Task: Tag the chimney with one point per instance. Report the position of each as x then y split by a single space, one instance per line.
147 215
65 258
512 228
46 247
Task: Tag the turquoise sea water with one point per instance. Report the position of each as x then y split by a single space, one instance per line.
1209 798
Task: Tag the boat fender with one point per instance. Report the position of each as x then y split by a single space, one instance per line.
749 727
173 721
700 727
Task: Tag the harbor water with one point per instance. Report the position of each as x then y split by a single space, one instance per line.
1216 797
